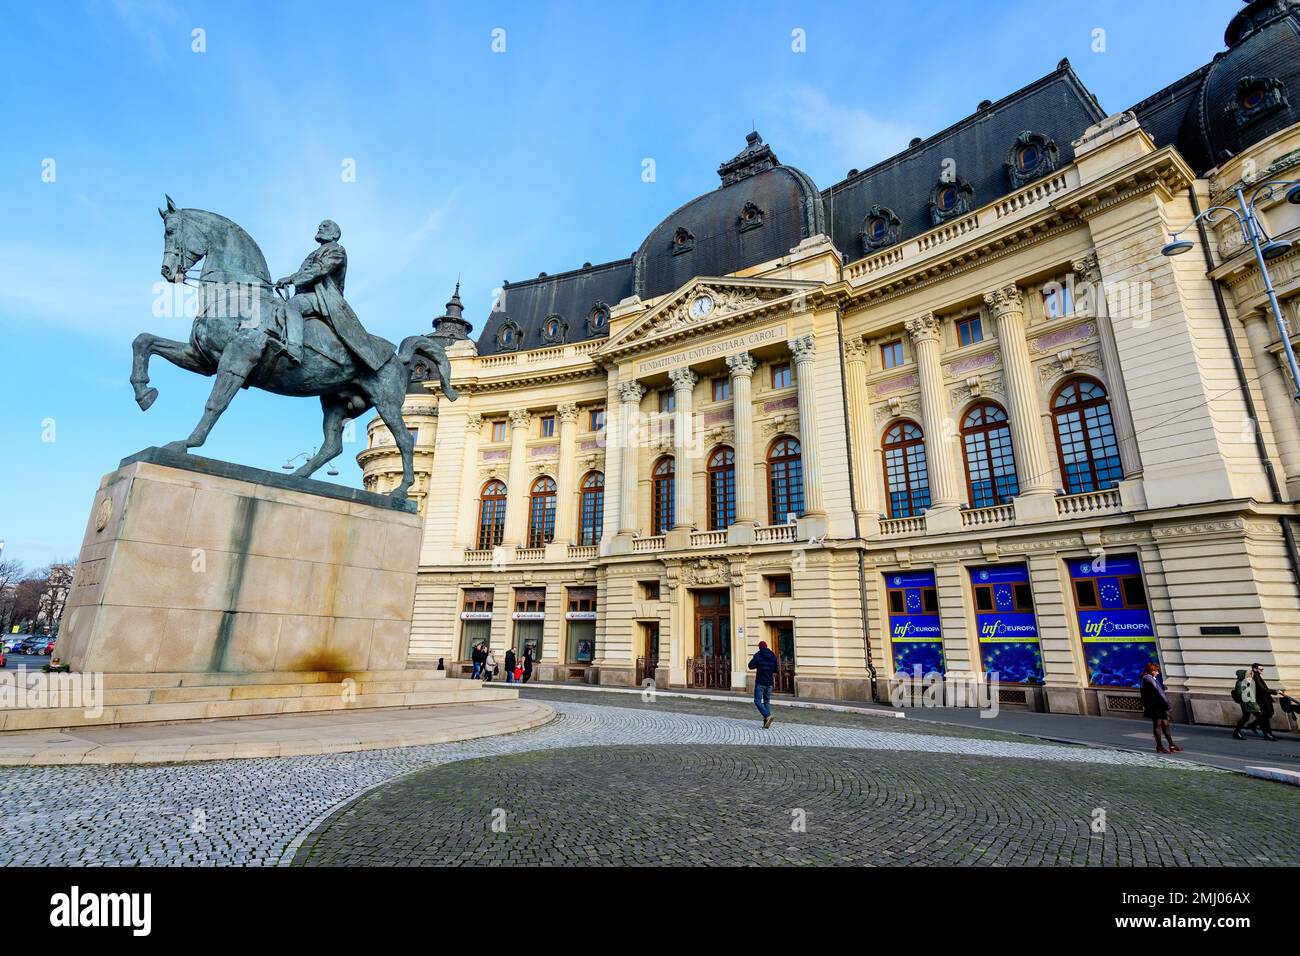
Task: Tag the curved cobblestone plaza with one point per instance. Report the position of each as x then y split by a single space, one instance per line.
675 781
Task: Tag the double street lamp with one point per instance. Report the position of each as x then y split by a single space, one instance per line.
1252 231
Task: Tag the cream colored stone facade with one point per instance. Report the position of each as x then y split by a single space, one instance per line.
1195 505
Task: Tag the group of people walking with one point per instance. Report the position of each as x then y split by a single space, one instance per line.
484 661
1251 693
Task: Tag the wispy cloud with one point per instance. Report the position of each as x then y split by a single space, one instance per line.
832 135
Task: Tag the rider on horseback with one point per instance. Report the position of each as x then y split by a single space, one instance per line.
318 288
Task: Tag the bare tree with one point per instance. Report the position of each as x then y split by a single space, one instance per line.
11 572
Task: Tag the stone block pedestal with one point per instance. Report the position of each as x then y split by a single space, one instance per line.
194 565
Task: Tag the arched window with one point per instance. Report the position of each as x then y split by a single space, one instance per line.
784 480
1085 437
722 488
663 495
907 478
990 463
593 507
491 515
541 513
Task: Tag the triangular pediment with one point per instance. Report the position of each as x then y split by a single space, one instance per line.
702 305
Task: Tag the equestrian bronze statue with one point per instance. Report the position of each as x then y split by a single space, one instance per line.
311 343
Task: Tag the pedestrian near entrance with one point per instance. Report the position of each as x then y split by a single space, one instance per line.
476 656
489 664
1244 694
528 663
1155 705
764 665
1264 700
510 666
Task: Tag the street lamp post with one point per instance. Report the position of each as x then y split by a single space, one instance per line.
1252 231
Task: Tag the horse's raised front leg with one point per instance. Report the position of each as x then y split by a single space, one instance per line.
237 362
335 409
178 353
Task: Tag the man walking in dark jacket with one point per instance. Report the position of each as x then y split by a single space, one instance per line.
1264 698
764 665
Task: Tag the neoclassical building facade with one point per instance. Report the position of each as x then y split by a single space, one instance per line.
956 414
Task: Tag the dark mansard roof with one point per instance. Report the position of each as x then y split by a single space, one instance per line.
763 209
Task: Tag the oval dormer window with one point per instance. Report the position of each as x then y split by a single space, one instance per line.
877 228
507 335
1252 98
947 199
1027 157
553 327
599 317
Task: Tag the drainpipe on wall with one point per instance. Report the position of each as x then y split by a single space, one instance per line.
1288 532
853 496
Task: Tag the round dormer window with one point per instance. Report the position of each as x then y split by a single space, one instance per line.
553 327
1252 98
947 198
599 316
1027 157
877 228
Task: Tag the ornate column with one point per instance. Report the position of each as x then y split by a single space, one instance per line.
742 403
804 350
630 395
867 499
517 481
683 380
466 530
1034 469
567 479
1274 383
945 481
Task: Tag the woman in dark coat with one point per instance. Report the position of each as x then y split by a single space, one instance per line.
1264 698
528 662
1155 706
510 666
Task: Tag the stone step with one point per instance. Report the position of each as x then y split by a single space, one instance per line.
207 679
169 705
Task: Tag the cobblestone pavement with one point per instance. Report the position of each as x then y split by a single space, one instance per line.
252 811
737 806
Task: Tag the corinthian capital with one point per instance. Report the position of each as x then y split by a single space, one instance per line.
520 418
923 328
1005 299
803 348
474 422
742 363
568 412
683 379
631 393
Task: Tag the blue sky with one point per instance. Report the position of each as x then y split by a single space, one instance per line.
471 162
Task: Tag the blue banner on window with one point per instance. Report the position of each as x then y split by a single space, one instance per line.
1119 639
915 636
1008 637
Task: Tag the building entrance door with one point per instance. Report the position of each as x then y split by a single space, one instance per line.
648 660
711 665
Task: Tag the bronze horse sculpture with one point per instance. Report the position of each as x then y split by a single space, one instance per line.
238 336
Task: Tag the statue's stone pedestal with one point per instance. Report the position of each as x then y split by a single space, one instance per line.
194 565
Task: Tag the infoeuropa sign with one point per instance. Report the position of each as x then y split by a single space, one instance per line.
1006 624
739 343
1119 639
914 631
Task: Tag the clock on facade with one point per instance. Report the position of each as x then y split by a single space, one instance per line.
701 306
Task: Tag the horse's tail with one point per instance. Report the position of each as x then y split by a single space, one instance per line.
427 348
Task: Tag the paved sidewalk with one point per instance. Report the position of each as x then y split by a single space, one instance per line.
287 735
1202 744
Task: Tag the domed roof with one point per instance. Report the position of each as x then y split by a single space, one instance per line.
761 211
1249 91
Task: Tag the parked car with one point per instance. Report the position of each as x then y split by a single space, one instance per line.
48 649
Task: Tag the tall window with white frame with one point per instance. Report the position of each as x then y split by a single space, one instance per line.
541 513
784 480
491 514
592 508
662 490
990 462
722 488
907 474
